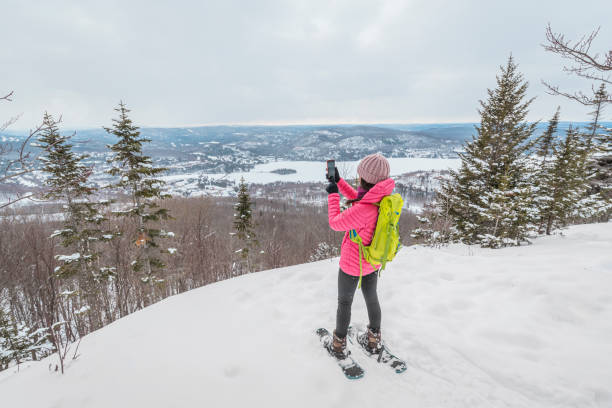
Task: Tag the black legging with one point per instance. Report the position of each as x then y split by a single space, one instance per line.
346 289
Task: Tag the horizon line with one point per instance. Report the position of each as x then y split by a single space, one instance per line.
288 124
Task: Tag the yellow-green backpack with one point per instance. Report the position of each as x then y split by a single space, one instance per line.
386 240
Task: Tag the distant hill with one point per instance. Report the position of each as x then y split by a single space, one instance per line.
294 142
223 149
227 149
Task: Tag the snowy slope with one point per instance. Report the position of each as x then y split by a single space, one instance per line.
517 327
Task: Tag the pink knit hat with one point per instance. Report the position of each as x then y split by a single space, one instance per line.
373 168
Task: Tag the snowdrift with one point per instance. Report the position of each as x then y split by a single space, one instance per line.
516 327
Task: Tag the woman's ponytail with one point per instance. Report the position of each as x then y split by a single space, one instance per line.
364 185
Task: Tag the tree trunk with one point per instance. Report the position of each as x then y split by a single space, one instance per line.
549 224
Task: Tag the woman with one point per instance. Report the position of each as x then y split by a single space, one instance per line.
373 171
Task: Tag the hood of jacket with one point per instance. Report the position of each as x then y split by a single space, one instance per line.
380 189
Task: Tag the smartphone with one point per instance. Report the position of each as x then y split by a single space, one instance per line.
331 169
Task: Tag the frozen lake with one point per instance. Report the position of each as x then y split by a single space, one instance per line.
310 171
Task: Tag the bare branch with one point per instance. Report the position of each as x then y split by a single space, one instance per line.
24 159
6 148
24 163
74 357
19 198
595 77
585 64
7 97
9 122
17 174
579 52
577 96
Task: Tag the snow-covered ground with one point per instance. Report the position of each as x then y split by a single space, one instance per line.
517 327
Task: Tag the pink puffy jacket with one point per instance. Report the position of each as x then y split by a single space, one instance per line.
362 216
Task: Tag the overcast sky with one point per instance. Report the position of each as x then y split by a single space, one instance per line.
181 63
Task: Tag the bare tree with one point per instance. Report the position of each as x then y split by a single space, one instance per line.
59 338
4 147
583 63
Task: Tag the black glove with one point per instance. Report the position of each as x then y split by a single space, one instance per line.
331 188
335 178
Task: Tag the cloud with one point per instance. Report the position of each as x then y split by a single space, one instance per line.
187 62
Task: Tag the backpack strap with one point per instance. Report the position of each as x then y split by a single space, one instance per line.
354 236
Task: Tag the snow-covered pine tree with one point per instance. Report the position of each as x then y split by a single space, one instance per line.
20 343
67 183
243 221
323 251
592 134
545 142
564 185
138 179
595 203
434 228
7 349
598 160
603 165
542 174
498 212
489 199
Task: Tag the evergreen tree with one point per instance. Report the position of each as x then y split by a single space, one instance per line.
603 167
593 133
67 182
545 142
323 251
138 179
564 183
542 176
243 220
596 202
19 343
7 349
65 168
489 198
434 226
589 66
